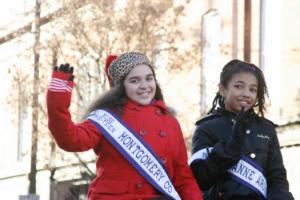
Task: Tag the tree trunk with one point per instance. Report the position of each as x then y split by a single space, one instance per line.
247 31
35 107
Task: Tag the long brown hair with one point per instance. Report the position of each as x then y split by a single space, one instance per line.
116 97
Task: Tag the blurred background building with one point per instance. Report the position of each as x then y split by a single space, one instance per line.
188 40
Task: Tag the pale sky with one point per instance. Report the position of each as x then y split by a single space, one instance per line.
10 13
12 9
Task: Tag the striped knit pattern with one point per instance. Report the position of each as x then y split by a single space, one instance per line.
60 82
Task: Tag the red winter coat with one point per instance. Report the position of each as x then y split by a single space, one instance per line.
116 179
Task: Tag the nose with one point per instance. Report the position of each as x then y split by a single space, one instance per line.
143 85
246 93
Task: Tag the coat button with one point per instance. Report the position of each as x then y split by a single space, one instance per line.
158 112
143 132
139 185
248 131
137 108
220 194
162 134
252 155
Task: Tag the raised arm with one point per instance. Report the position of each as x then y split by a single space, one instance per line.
68 135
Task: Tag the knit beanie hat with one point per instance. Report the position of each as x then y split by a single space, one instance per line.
123 64
108 61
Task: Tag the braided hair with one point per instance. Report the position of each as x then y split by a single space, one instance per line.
235 67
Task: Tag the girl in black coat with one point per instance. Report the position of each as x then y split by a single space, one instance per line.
235 150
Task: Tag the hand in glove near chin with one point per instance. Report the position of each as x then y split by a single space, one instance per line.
239 127
237 140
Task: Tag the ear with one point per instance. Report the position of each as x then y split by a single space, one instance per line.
222 91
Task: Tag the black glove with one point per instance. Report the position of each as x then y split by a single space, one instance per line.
66 68
240 125
234 146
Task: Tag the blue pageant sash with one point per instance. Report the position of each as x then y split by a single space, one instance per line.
246 172
134 150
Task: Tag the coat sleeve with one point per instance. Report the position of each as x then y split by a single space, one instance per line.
68 135
278 186
223 155
184 182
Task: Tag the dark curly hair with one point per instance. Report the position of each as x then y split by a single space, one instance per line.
235 67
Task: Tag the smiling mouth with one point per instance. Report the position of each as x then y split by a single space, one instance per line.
144 94
244 103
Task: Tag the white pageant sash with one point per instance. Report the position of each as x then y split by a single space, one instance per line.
246 172
202 154
136 152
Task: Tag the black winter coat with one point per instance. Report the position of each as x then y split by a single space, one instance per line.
260 144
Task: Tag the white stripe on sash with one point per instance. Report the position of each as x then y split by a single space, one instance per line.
202 154
249 173
138 153
246 172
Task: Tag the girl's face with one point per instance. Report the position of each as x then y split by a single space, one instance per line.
241 91
140 84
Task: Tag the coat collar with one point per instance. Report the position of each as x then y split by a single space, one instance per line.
251 115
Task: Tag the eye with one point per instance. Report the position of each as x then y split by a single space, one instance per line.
133 80
238 86
254 90
150 78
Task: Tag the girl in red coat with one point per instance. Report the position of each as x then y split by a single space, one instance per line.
139 144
